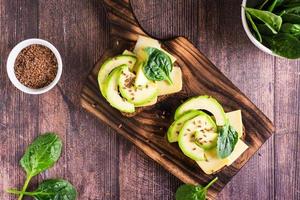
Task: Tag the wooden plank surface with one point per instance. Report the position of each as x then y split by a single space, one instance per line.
105 166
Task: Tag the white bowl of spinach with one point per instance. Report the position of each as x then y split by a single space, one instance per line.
273 26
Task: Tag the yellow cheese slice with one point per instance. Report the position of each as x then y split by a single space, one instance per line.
165 88
212 163
235 119
239 148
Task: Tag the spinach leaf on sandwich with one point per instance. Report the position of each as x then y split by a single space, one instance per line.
228 137
158 66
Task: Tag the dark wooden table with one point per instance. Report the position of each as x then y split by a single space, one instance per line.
103 165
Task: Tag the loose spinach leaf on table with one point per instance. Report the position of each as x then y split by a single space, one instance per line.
55 189
158 66
51 189
191 192
269 19
284 44
40 155
227 140
293 29
254 27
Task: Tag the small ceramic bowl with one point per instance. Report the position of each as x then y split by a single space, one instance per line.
11 62
251 4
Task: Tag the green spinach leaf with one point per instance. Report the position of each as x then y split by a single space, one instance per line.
291 18
191 192
41 154
293 10
158 66
265 30
52 189
293 29
284 44
227 140
291 15
55 189
269 19
254 27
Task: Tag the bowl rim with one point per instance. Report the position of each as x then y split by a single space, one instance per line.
11 61
250 35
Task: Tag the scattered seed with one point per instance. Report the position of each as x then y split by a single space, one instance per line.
194 149
177 132
188 129
130 62
132 98
120 126
179 124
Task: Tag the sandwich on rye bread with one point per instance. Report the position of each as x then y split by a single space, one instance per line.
137 80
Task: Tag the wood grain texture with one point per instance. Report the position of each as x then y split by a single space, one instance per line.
147 129
103 165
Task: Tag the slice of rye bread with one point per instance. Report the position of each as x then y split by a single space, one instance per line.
141 109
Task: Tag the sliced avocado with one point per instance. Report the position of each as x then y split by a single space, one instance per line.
204 102
141 80
187 140
136 94
206 139
176 126
111 64
112 92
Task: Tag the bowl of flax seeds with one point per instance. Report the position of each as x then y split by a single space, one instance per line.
34 66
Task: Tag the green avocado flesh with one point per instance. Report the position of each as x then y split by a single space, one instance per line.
203 103
207 139
133 94
189 136
175 127
111 64
113 96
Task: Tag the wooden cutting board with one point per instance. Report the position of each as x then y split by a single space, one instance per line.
147 130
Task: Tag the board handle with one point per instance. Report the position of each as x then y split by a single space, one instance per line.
123 23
